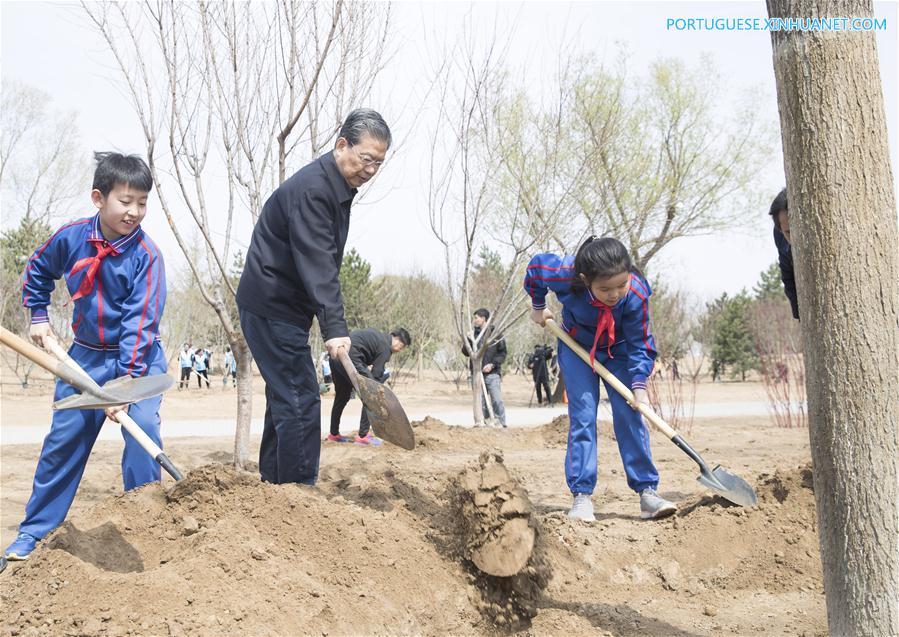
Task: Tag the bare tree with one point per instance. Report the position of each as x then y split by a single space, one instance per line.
659 162
42 167
243 88
489 186
843 223
778 345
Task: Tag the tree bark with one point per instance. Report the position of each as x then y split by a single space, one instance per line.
843 222
244 398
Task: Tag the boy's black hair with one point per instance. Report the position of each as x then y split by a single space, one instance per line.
116 168
403 334
779 203
600 259
362 121
483 312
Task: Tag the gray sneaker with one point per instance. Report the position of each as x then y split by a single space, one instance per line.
582 508
653 506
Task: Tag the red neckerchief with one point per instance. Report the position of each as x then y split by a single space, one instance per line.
605 324
104 249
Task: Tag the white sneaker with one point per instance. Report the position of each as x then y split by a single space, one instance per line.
654 506
582 508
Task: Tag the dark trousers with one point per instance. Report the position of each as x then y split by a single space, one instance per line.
201 374
291 437
542 382
343 388
185 377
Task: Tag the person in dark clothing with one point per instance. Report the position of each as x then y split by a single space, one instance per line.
537 363
291 276
781 219
492 363
370 349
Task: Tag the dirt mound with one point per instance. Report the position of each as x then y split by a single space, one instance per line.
554 433
498 533
432 434
773 546
223 553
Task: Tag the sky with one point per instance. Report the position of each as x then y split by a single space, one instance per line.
49 45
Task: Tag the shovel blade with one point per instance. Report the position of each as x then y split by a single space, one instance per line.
121 391
388 418
730 486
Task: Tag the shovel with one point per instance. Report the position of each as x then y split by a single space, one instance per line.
388 419
120 391
732 487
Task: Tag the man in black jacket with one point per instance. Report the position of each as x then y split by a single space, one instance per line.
291 275
373 349
537 363
781 219
492 364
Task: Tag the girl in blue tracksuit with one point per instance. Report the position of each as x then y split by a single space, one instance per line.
605 308
116 278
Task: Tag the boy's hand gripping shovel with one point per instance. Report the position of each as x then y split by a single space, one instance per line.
120 391
732 487
388 419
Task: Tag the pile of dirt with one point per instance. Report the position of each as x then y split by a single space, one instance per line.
223 553
432 434
386 545
712 545
498 533
555 432
773 546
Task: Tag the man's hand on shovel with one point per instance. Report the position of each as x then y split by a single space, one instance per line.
334 344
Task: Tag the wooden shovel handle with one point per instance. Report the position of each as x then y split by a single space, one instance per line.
611 379
57 350
40 357
348 366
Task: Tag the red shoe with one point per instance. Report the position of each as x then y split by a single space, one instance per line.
368 440
338 438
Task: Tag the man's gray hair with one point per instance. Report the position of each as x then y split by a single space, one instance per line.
362 121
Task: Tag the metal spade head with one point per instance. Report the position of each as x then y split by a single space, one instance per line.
732 487
388 419
121 391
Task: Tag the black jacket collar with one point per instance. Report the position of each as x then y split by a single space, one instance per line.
341 187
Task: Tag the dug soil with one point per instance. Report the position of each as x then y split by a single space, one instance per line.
466 535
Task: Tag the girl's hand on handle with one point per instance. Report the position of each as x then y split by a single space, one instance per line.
38 331
640 396
540 316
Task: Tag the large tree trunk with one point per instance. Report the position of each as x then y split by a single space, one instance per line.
843 222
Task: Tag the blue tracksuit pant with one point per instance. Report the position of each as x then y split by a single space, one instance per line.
72 436
582 386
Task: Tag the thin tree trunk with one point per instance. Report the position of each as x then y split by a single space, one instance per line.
477 362
843 222
244 398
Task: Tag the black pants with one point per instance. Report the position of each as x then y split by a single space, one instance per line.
201 374
542 382
342 390
185 377
291 437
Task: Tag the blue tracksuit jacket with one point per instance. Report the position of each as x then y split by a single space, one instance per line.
116 327
630 357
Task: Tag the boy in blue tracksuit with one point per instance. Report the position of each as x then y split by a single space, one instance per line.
116 278
605 308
